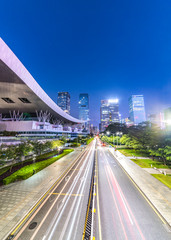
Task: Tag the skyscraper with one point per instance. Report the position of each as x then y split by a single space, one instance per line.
84 108
109 112
64 101
167 119
137 109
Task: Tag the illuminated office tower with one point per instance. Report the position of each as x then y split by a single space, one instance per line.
109 113
137 109
64 101
84 109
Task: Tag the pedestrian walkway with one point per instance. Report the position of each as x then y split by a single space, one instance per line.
17 199
158 194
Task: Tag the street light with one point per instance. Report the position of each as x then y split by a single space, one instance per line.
119 134
120 137
117 138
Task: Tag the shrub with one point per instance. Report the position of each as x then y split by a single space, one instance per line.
27 171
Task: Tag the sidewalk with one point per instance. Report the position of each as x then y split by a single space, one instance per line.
158 194
16 199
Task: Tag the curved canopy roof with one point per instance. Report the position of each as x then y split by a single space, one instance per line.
20 91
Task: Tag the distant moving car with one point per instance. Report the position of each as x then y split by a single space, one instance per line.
103 144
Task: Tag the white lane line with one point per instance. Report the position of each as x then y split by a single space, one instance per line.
77 206
119 190
50 235
37 229
92 222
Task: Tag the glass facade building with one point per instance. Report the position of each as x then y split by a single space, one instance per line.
84 109
109 113
167 119
137 109
64 101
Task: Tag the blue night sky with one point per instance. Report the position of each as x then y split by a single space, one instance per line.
105 48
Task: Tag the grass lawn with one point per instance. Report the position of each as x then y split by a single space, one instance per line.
146 163
164 179
27 171
132 152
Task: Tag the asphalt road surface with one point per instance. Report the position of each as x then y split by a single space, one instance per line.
123 214
62 214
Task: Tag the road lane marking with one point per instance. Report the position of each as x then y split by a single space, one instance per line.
74 203
71 187
98 205
120 193
55 185
69 194
124 231
142 193
118 188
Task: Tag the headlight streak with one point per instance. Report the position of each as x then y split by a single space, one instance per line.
115 189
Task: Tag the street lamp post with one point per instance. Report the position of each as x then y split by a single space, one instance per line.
34 158
117 137
119 134
120 138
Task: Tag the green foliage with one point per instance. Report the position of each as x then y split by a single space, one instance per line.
149 139
27 171
113 128
7 133
128 152
23 149
46 155
164 179
89 140
63 139
56 144
3 170
146 163
10 153
75 144
48 145
113 140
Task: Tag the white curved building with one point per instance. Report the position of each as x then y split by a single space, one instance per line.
21 97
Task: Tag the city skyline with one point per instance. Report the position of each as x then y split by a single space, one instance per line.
146 116
85 120
93 50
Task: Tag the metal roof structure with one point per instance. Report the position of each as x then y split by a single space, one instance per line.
19 91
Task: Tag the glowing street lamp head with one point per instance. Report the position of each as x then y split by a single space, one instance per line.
108 132
113 100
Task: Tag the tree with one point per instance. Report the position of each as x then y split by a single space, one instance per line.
167 151
48 145
147 136
37 147
56 144
113 128
23 149
63 139
11 154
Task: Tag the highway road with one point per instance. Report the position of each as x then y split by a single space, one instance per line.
62 214
122 211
